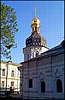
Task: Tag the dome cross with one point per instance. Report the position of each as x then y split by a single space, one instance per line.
35 12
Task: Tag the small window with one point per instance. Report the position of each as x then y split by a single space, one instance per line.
35 28
36 43
42 86
32 29
12 84
12 73
3 72
3 83
37 53
35 40
30 83
33 43
59 85
28 57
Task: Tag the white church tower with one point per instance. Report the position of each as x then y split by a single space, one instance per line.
35 44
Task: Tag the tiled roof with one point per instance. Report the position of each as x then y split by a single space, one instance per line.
36 39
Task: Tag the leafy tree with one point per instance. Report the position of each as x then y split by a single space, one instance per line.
8 29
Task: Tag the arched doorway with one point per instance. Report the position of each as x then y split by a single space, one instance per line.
59 85
42 86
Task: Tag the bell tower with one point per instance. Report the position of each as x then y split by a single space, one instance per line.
35 43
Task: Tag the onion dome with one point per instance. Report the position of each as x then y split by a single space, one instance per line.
35 22
35 38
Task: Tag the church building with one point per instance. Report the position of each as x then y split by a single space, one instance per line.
42 72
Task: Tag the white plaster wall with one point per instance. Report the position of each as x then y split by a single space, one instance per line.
15 79
31 52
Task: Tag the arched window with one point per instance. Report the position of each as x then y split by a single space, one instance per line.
30 83
27 56
37 53
12 83
12 73
3 72
42 86
33 29
3 84
59 85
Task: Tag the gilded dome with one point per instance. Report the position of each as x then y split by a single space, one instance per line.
36 21
35 39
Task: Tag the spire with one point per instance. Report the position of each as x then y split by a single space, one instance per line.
35 22
35 12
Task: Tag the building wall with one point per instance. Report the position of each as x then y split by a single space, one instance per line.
30 52
15 78
48 69
58 73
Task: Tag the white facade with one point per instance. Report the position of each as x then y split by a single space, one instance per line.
30 52
10 76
